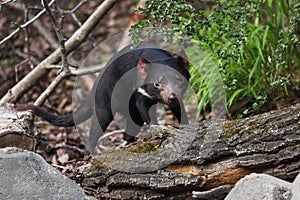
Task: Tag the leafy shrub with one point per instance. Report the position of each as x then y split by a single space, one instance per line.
254 44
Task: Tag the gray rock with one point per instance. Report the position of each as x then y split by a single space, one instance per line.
26 175
261 186
296 188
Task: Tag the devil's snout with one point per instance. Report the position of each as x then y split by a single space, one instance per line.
172 99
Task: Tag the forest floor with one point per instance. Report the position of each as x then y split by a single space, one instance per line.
62 147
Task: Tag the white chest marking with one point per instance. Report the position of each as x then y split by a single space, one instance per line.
143 92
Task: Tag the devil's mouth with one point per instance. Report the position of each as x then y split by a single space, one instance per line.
172 103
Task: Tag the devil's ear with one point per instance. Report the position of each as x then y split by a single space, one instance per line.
183 58
142 63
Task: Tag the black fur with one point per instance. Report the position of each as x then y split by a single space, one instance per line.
157 72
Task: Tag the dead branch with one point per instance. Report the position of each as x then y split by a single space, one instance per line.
80 71
41 70
42 98
38 25
59 35
65 66
24 25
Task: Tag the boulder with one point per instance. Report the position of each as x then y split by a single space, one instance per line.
26 175
261 186
296 188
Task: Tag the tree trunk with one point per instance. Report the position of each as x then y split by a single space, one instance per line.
205 159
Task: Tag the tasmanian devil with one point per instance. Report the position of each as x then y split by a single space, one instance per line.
133 82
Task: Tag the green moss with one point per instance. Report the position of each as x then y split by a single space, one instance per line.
230 124
201 138
145 147
98 165
246 133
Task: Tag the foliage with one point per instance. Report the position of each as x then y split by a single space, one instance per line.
254 44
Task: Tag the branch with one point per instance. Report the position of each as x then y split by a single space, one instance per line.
6 2
41 70
25 25
42 98
38 25
59 35
81 71
66 72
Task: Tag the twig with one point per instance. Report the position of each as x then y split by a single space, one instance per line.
111 133
80 71
66 72
24 55
27 46
51 88
72 12
6 2
27 40
24 25
107 135
67 146
78 6
59 35
75 18
75 40
38 25
17 68
58 166
88 70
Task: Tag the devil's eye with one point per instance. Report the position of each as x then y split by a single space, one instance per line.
180 80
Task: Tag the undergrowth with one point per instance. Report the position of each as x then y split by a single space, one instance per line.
254 45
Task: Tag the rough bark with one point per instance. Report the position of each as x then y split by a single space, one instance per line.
221 153
16 129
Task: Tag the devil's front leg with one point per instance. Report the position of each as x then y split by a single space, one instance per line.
138 115
147 111
133 126
180 113
152 114
141 109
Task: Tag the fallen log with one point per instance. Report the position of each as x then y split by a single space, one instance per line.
201 161
220 153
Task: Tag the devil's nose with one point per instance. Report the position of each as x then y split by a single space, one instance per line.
172 96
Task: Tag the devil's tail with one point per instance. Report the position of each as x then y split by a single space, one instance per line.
80 115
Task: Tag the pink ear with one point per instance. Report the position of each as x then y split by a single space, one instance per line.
142 63
184 59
